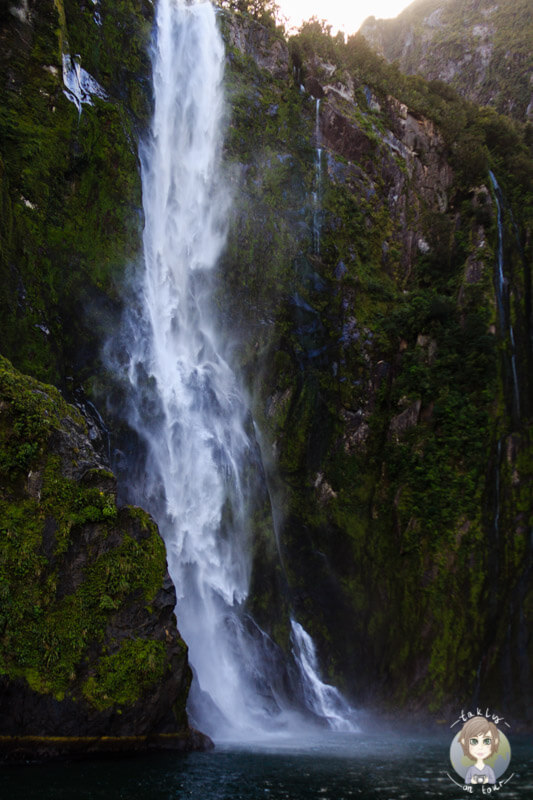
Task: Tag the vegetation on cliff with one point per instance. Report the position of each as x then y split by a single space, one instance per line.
358 293
380 377
482 49
87 632
69 178
88 638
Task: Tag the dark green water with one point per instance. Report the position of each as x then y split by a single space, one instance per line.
335 767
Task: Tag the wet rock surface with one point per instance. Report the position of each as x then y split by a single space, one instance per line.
372 360
91 647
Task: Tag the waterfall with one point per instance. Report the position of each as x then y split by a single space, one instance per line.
497 491
185 403
326 700
502 294
317 200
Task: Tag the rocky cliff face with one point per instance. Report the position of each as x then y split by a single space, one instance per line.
89 646
361 266
359 296
481 49
75 97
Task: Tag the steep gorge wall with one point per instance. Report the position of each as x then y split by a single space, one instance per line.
69 179
381 384
364 323
89 646
483 49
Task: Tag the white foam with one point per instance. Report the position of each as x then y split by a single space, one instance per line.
80 87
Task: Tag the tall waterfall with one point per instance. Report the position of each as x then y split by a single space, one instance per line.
503 295
185 401
317 194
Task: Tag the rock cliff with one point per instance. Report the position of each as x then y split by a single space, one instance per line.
482 49
361 270
89 646
361 304
75 97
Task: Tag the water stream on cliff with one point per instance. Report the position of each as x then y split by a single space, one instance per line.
318 183
503 295
188 408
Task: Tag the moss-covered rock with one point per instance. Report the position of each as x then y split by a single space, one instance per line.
88 638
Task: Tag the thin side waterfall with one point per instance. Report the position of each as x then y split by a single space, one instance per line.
201 459
317 200
326 700
497 491
502 294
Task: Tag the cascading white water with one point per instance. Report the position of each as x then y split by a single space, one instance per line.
318 182
198 442
326 700
185 402
506 325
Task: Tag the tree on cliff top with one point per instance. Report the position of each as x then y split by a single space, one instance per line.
266 11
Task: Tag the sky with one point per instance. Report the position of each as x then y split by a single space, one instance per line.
345 15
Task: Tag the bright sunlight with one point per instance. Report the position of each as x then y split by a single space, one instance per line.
341 15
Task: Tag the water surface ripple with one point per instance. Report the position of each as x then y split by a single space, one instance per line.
338 767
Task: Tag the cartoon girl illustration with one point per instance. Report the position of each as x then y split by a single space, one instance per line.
479 739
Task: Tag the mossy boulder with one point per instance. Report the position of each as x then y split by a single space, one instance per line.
88 639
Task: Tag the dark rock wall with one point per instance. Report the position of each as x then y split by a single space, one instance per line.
358 303
88 638
381 380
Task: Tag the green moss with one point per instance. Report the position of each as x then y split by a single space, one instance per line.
60 583
70 183
30 413
122 678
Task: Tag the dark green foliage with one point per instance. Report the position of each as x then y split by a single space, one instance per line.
314 38
264 11
267 131
54 612
69 182
382 519
116 52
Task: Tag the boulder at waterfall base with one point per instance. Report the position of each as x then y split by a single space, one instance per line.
88 641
